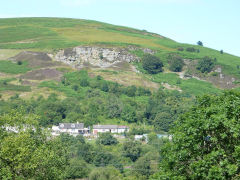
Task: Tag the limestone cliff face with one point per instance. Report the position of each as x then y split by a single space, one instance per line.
96 56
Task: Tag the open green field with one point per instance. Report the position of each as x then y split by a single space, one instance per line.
13 68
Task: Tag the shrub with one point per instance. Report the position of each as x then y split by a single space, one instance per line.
130 91
84 82
19 63
191 49
152 64
106 139
180 49
176 63
221 51
206 64
75 87
214 74
200 43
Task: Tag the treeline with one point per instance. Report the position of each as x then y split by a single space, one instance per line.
93 105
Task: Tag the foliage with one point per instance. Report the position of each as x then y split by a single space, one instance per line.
176 63
206 64
14 68
77 169
180 49
191 49
152 64
163 109
200 43
205 141
106 139
28 154
108 173
132 149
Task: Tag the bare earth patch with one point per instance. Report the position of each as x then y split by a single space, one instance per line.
43 74
35 59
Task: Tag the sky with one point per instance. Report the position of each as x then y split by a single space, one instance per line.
214 22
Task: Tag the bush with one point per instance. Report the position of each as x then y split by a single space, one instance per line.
19 63
75 87
132 150
130 91
206 64
200 43
191 49
176 63
106 139
180 49
84 82
152 64
221 51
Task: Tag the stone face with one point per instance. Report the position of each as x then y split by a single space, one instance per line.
95 56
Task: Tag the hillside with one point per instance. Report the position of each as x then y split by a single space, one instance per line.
21 37
55 70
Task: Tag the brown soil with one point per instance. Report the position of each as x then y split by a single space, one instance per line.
43 74
35 59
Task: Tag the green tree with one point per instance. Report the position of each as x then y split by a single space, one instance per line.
206 64
106 139
176 63
77 169
132 149
200 43
129 114
29 154
206 141
152 64
147 164
107 173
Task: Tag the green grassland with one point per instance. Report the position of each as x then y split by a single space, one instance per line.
13 68
6 85
52 34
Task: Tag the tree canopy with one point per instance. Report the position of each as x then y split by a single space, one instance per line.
206 141
152 64
206 64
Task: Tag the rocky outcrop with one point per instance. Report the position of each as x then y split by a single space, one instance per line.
95 56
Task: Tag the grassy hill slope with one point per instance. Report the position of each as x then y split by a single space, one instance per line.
51 34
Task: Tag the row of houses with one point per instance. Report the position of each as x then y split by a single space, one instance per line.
79 129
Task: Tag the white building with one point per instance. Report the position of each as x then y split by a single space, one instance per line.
109 128
70 128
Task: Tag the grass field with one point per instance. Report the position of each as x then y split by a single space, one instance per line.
5 85
13 68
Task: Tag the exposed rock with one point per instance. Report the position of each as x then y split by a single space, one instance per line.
145 50
218 69
94 56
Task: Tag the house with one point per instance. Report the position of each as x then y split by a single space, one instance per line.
70 128
141 137
109 128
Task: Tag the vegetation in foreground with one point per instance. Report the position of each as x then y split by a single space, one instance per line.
205 145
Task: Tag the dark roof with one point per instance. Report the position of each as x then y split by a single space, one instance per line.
108 127
71 125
